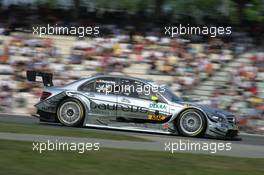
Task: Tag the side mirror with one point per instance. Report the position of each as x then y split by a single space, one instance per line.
154 98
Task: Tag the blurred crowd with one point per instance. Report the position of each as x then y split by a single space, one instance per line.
187 63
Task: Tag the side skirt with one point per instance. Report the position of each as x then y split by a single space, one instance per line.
127 128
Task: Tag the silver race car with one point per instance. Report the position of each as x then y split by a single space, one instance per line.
128 103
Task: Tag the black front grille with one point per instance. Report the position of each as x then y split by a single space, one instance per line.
231 133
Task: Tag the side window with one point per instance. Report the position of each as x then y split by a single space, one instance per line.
161 99
135 89
126 88
146 92
88 87
105 85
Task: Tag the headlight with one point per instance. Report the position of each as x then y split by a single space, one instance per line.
217 118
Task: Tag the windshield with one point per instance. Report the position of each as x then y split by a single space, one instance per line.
167 93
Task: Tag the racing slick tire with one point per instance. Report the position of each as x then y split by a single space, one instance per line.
70 112
191 123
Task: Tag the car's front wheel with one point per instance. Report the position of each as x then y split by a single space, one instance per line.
70 112
191 123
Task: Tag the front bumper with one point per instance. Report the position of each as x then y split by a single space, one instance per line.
217 129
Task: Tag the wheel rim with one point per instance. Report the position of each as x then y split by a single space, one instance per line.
191 123
70 113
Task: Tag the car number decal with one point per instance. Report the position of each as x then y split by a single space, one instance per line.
156 117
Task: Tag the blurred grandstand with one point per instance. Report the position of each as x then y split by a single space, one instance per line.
221 72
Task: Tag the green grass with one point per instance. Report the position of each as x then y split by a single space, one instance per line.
17 158
64 131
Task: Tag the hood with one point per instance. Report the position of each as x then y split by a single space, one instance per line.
208 109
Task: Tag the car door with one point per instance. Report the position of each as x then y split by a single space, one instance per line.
103 102
135 104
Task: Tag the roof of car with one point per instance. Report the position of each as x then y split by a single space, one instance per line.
121 76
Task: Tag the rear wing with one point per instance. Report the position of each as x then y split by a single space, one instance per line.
35 76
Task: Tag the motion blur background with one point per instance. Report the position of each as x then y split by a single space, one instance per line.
226 71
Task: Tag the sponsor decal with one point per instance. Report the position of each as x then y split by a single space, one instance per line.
156 117
114 107
157 106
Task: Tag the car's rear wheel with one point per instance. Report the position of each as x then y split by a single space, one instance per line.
70 112
191 123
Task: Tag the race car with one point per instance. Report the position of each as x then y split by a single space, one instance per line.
129 103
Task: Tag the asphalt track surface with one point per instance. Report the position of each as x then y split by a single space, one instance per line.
249 145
